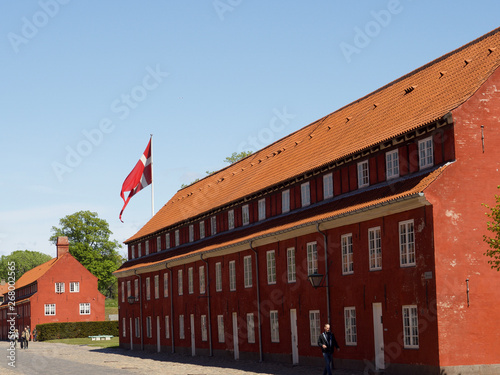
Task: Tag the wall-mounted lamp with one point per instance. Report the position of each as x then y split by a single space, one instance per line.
316 279
131 299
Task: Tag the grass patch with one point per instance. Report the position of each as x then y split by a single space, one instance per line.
110 307
114 342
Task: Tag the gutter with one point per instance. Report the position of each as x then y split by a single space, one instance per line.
258 299
325 244
209 314
171 307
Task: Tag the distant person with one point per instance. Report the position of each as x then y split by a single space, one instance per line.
34 334
26 336
327 343
16 337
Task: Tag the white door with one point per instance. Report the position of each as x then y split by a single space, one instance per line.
293 330
130 334
158 346
193 345
235 336
378 333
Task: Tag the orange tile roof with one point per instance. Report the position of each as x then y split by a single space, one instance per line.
4 289
381 194
35 273
416 99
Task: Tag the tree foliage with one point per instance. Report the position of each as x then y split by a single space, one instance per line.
230 159
90 244
24 261
493 225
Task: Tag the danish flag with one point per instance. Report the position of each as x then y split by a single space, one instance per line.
140 177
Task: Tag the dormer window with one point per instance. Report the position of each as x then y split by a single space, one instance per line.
392 164
213 225
426 153
245 214
147 247
363 174
285 201
327 186
139 250
158 243
230 219
202 229
262 209
167 241
305 194
191 233
177 238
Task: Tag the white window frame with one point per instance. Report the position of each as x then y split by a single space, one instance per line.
167 326
190 281
275 328
410 327
375 248
218 276
139 250
271 267
290 265
202 229
59 288
250 328
232 276
165 285
312 258
182 332
392 164
50 309
85 308
347 254
123 291
137 328
213 225
180 287
74 287
407 254
147 247
148 327
230 219
201 277
351 336
177 237
328 186
245 214
158 243
157 286
129 289
167 241
247 271
425 153
132 252
314 326
261 204
285 201
305 194
148 288
191 232
220 328
363 174
136 289
204 330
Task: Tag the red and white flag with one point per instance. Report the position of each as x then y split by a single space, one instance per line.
140 177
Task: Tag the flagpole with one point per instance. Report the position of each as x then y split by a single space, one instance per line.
152 181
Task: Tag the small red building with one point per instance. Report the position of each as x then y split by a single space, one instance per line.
60 290
381 200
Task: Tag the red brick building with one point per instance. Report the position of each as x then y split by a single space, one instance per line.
60 290
382 197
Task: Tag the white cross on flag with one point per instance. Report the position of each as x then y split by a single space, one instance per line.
140 177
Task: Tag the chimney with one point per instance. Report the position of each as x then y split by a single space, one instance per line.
62 246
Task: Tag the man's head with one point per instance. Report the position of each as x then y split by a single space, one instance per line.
327 327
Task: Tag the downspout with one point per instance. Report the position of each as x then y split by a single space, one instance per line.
325 245
140 308
171 307
258 300
209 314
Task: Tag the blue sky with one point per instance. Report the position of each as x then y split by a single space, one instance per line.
84 84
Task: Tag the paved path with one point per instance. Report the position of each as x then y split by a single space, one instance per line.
60 359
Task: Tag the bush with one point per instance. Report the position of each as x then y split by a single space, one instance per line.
52 331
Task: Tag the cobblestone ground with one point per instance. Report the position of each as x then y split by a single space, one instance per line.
54 359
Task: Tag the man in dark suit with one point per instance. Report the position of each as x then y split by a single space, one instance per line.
327 343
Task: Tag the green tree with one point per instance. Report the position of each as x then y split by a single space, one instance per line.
24 261
90 244
230 159
493 225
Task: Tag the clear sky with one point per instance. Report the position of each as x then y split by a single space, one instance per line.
84 83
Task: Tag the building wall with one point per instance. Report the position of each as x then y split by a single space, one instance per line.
468 334
67 269
393 286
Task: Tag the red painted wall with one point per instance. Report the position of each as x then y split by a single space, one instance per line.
460 220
